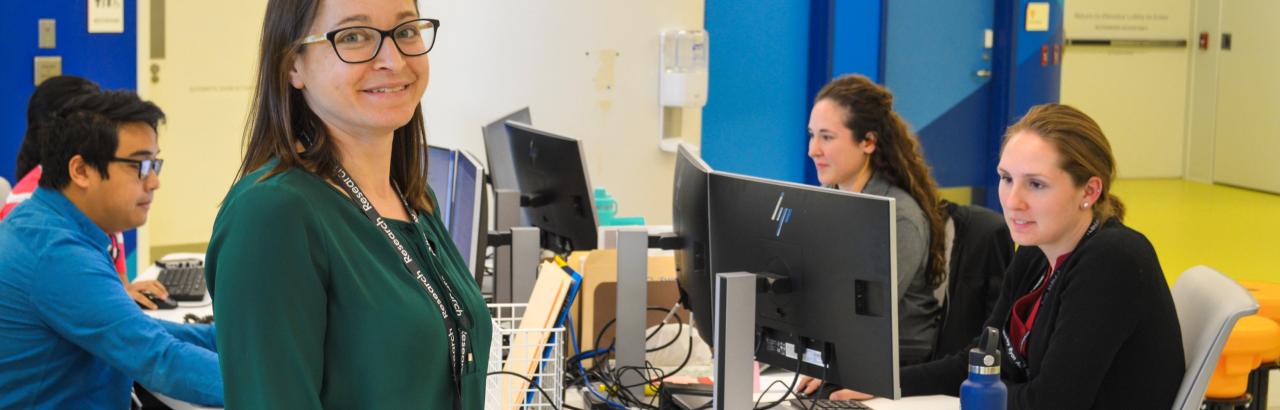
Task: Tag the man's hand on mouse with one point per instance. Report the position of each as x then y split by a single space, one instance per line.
139 290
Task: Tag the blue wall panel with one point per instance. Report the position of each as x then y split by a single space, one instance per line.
856 35
844 39
765 69
108 59
756 113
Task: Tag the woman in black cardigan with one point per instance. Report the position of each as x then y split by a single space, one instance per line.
1086 317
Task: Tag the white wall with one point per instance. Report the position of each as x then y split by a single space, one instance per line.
1247 142
587 68
1137 95
1202 93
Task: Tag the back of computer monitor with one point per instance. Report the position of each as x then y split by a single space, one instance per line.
467 225
689 222
440 168
551 172
498 149
834 289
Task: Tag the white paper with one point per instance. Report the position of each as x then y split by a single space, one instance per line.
106 16
1038 16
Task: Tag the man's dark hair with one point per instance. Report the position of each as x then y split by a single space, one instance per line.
88 126
49 97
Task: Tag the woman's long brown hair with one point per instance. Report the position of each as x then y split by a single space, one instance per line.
869 110
280 120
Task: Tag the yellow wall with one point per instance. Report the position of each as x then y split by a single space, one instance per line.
203 84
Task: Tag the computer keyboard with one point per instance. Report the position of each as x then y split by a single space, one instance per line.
828 404
185 284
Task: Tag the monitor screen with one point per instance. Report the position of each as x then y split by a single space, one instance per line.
689 222
498 151
440 162
465 227
551 172
829 261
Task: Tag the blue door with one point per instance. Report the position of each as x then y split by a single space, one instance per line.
938 64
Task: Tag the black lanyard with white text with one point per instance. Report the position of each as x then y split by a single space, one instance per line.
1010 352
456 321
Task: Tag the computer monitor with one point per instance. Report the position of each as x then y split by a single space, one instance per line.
498 151
440 164
467 222
830 266
689 224
551 172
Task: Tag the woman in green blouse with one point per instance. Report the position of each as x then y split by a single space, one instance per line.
334 283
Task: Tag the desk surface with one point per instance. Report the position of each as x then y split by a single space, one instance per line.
201 308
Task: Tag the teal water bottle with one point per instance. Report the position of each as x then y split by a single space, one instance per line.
606 206
607 210
984 390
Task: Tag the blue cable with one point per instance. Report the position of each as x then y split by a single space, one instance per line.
586 381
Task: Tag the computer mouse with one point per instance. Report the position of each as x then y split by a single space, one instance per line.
161 303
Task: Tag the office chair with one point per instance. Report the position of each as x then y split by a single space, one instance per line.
1208 304
981 250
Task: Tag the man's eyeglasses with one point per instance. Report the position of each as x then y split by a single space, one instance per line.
145 166
360 44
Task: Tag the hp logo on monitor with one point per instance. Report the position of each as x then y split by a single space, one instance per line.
781 215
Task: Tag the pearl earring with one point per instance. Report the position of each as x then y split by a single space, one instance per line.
1086 205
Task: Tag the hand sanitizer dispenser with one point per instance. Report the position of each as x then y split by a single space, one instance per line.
682 81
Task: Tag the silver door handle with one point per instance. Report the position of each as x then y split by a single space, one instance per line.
984 73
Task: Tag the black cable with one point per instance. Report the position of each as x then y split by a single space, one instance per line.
794 379
687 355
191 318
785 395
601 359
611 379
766 390
600 371
608 324
662 375
679 331
531 383
625 390
814 402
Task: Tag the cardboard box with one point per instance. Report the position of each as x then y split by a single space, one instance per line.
597 300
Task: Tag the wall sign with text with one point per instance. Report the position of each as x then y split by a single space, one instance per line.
106 16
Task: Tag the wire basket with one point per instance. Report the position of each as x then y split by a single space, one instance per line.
505 391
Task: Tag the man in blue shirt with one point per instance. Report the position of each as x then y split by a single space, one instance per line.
70 336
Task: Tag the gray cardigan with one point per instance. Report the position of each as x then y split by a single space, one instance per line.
919 311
